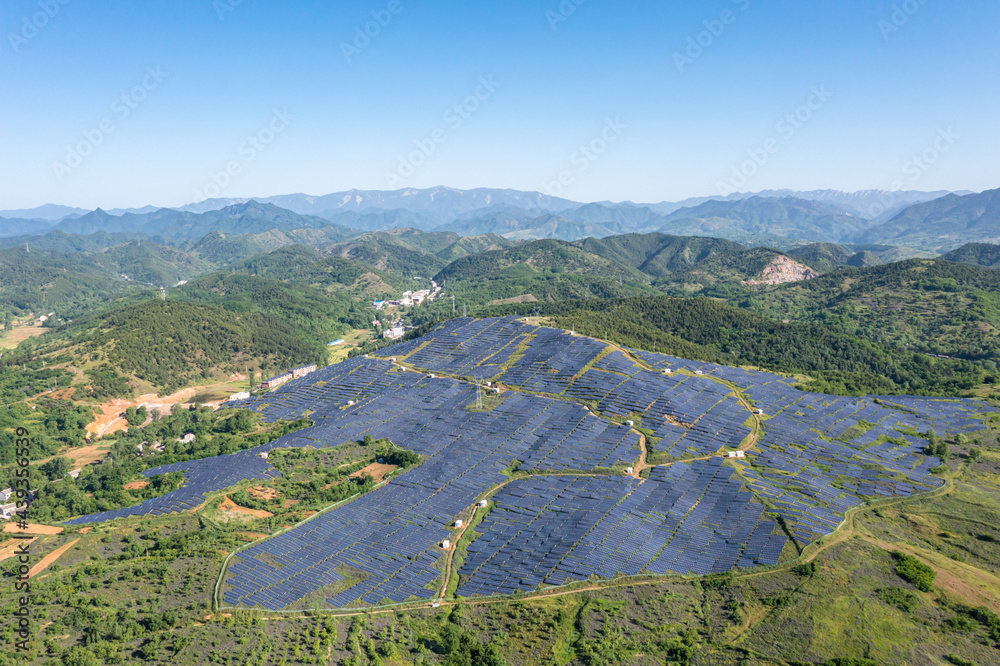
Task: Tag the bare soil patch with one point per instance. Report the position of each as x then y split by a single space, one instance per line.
233 507
253 536
9 549
289 503
32 529
376 470
263 493
137 484
50 559
109 418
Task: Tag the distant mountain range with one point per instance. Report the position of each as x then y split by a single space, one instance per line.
943 224
928 221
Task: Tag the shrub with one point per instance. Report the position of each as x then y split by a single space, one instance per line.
902 599
958 661
914 571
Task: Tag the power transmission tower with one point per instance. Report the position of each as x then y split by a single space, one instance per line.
26 249
163 294
479 394
453 304
464 310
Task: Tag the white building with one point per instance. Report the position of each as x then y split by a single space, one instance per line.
446 544
393 333
458 523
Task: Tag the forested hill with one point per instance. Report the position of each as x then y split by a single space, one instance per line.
296 263
172 344
702 329
41 281
976 254
536 257
931 306
657 254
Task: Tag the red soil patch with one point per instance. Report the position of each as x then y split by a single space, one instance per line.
289 503
49 559
137 484
376 470
109 418
32 529
230 505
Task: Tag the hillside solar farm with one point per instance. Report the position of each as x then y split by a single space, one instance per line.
568 459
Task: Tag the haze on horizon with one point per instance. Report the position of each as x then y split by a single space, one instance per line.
128 103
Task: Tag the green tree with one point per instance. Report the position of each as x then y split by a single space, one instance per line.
56 468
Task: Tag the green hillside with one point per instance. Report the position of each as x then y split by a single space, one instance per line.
975 254
826 257
324 315
48 280
63 242
727 270
172 344
930 306
702 329
142 261
658 254
224 249
385 252
536 258
296 263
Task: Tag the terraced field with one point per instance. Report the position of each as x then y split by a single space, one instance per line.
594 462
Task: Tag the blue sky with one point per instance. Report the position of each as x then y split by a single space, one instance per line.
126 103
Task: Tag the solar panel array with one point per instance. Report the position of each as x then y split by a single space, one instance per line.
817 456
684 519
